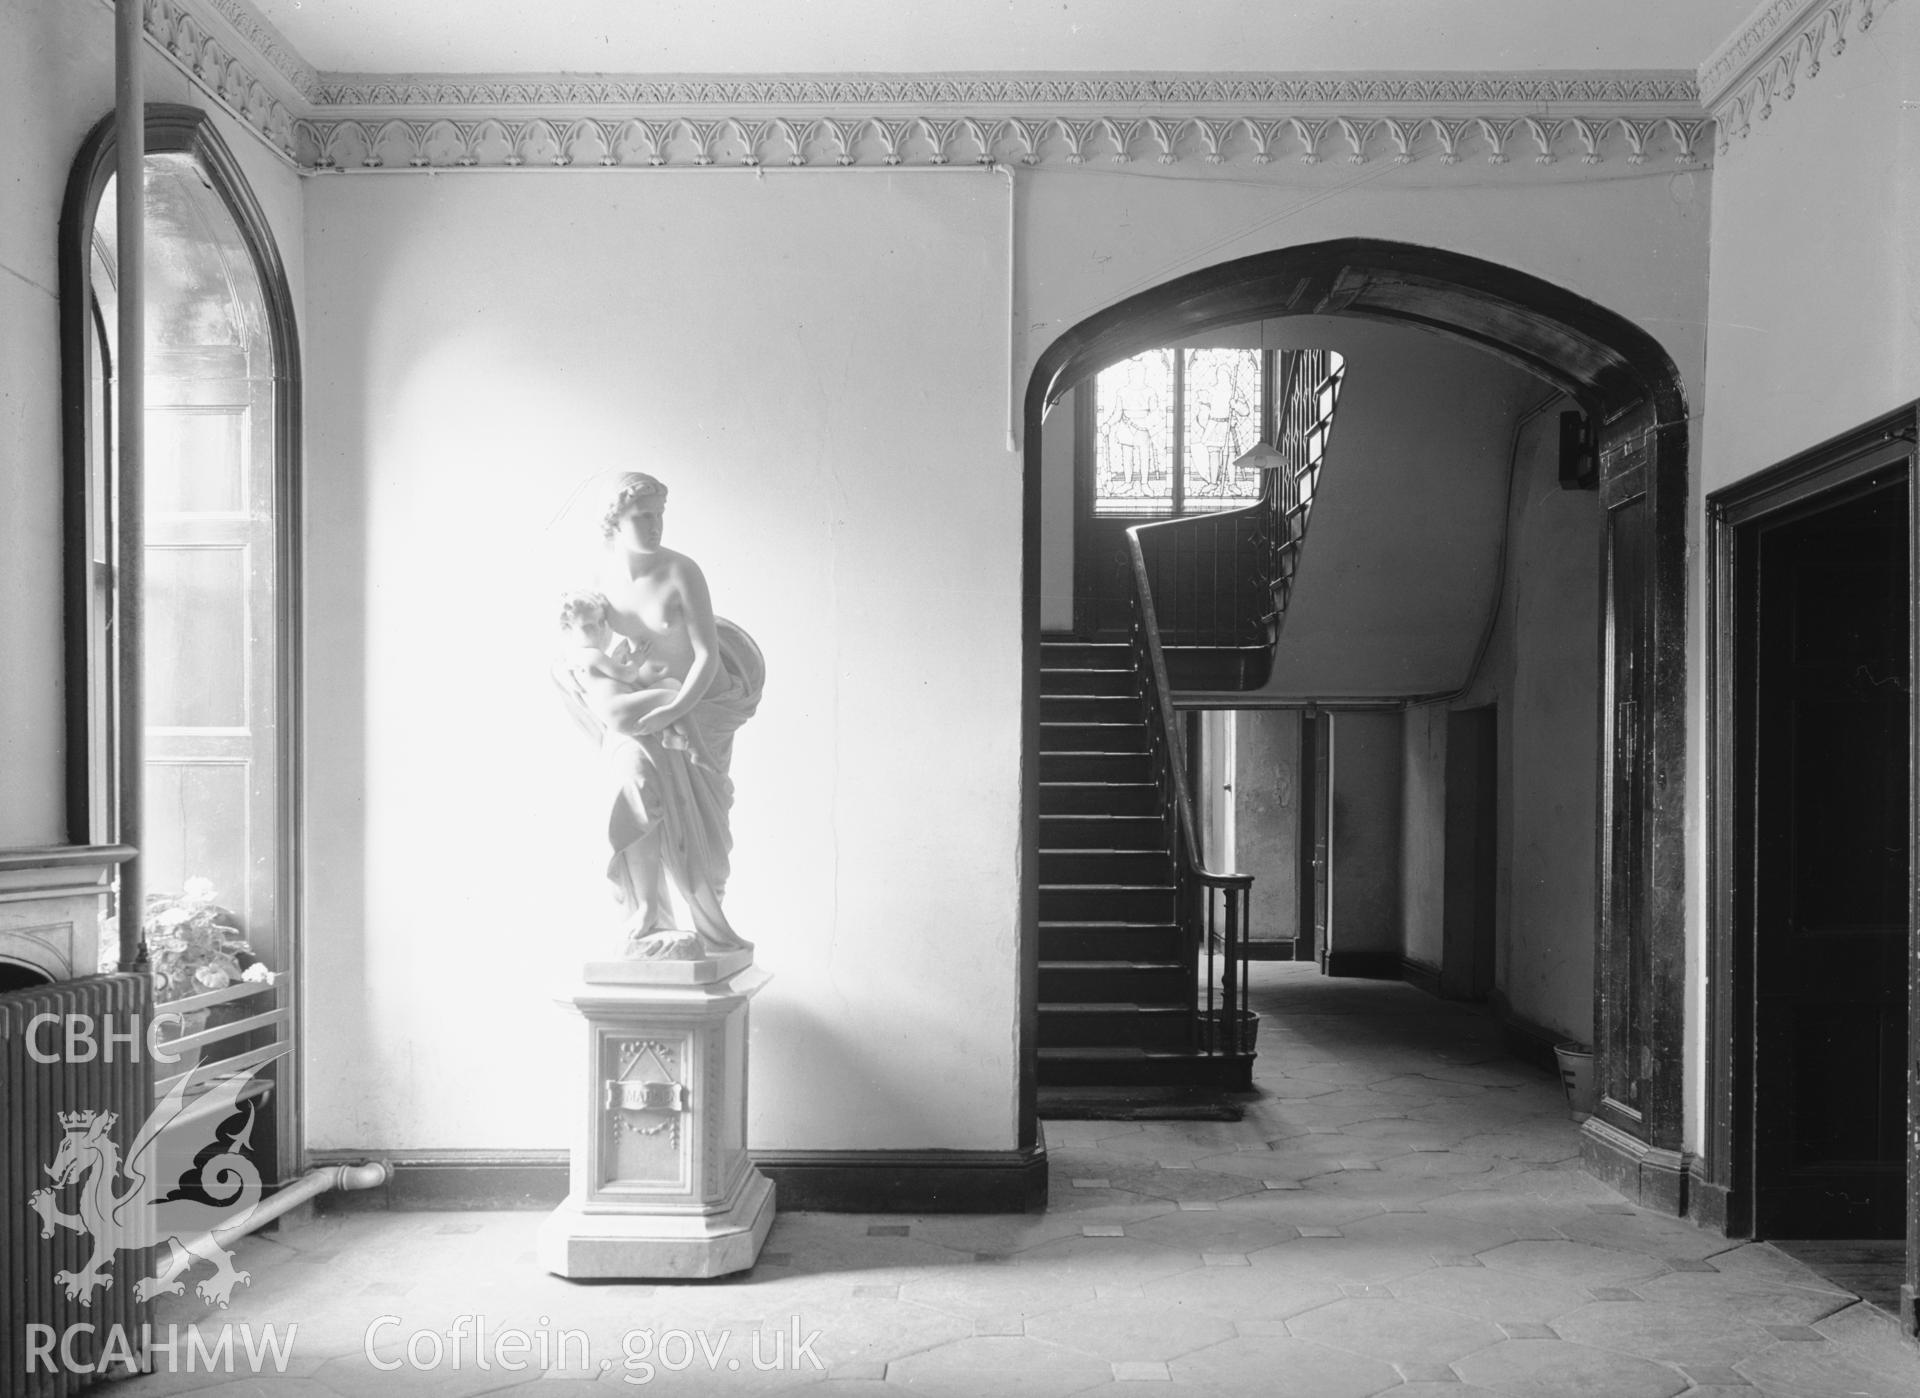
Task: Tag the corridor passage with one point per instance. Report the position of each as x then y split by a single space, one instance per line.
1402 1210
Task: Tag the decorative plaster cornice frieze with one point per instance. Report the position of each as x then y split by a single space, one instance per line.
1784 41
344 143
329 121
1102 92
223 61
270 44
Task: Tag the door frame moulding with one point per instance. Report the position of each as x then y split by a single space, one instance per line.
1629 388
1868 458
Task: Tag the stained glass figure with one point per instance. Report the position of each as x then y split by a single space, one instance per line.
1222 408
1133 436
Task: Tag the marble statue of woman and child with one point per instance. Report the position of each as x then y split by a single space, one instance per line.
661 1184
661 684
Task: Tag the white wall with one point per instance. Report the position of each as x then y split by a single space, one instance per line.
1398 571
1543 671
1266 797
1056 519
816 367
1423 835
1815 299
56 81
1365 857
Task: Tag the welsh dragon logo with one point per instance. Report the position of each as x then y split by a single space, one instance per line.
147 1211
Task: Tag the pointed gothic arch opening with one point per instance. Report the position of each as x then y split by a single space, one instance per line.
1631 395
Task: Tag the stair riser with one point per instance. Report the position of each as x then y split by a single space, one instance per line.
1097 798
1110 944
1081 655
1106 905
1104 866
1063 1070
1066 682
1092 737
1133 985
1093 767
1136 1028
1102 832
1089 708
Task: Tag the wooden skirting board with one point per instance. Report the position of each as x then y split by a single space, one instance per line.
830 1181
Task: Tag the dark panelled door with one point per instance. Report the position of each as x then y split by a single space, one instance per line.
1831 873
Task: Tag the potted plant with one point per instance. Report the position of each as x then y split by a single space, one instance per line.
194 945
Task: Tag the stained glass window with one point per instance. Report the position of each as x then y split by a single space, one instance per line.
1200 407
1221 398
1133 441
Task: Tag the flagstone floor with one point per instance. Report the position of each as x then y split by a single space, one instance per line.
1402 1212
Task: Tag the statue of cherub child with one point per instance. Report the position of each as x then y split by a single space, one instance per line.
606 663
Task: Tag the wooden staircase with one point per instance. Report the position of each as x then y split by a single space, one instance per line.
1117 977
1142 937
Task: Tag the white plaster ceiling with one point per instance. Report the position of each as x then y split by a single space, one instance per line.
840 36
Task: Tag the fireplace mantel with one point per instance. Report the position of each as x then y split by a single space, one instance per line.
53 902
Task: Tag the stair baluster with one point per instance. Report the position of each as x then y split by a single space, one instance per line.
1210 908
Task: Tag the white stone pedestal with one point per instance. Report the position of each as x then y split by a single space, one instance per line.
661 1183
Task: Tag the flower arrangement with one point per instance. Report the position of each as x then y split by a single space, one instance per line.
195 945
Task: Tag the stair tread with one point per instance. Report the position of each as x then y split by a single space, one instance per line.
1144 1007
1128 1051
1109 887
1110 964
1110 924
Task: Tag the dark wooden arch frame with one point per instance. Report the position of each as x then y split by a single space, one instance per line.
177 129
1631 393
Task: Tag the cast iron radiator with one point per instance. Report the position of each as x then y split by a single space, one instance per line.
37 1100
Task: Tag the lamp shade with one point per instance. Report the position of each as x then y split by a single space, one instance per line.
1261 456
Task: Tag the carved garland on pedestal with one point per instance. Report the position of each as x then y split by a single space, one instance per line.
1785 42
642 1116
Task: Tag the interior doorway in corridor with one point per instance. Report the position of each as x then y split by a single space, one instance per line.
1326 842
1814 630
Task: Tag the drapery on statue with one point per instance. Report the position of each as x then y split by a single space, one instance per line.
660 684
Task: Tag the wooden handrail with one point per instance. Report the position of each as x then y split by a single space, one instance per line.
1274 526
1267 527
1161 716
1216 998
